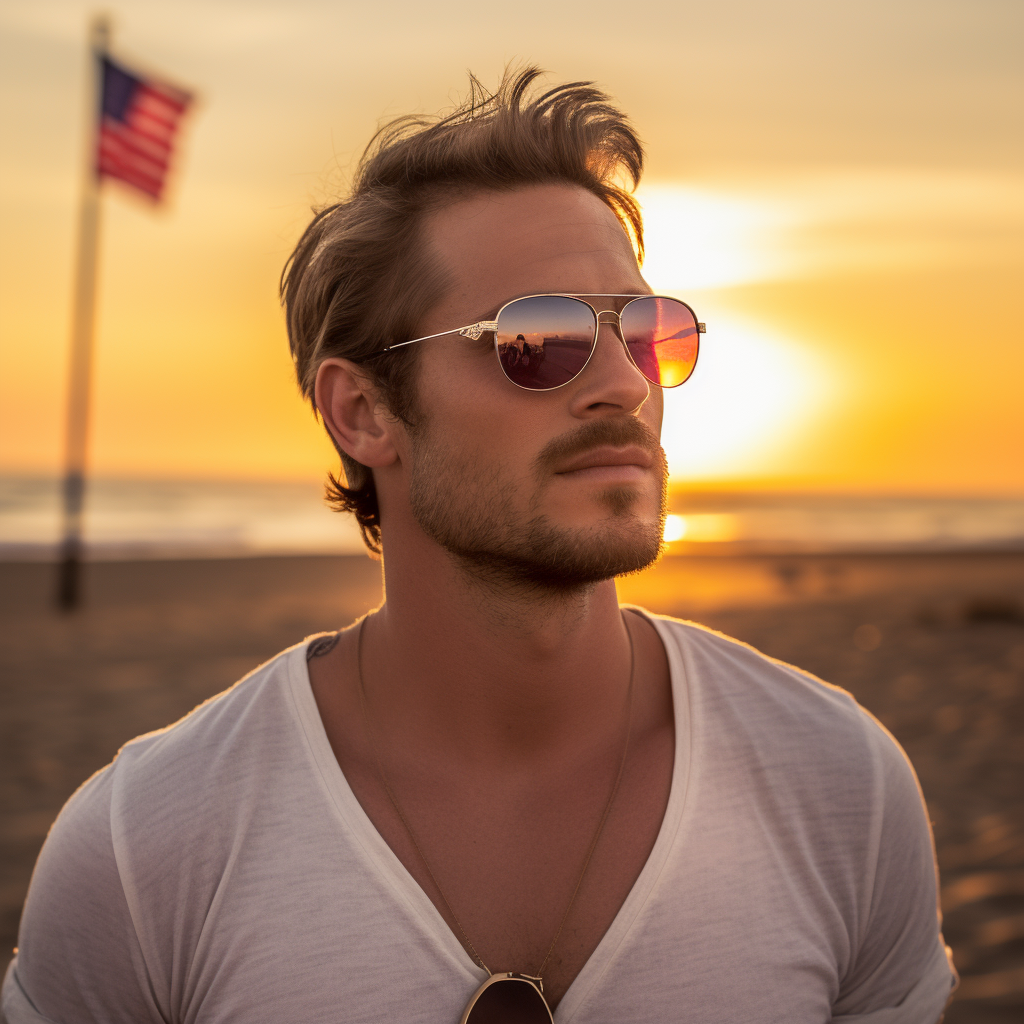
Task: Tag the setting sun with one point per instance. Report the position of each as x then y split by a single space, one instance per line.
751 392
748 399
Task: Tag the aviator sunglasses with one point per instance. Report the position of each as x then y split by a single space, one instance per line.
545 341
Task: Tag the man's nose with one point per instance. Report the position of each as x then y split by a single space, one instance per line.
611 376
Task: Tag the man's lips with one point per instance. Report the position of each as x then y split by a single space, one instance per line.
607 457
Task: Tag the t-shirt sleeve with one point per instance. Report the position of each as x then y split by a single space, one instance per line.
79 960
901 972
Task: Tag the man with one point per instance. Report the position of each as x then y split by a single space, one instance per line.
500 792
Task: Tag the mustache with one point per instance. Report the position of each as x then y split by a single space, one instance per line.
616 432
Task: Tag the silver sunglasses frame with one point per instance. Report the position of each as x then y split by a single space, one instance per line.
506 976
474 331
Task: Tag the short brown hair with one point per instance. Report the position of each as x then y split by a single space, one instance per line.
359 280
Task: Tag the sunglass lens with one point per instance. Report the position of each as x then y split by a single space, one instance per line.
661 335
509 1001
543 341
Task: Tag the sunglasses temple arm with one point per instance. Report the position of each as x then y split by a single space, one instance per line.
472 331
426 337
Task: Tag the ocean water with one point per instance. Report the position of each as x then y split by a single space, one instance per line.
192 518
175 519
835 522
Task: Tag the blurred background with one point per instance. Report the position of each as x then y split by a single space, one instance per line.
836 188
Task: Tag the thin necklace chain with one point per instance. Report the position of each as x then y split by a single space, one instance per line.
412 835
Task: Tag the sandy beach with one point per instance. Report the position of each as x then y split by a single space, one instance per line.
932 644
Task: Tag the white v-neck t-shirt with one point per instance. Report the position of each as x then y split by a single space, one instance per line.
222 870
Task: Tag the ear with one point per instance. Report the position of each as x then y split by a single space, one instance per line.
354 414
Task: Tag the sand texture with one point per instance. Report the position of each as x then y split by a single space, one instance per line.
931 644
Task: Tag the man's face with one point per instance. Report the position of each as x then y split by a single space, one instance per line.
559 488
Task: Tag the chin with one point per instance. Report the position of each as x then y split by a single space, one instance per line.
546 555
565 558
621 502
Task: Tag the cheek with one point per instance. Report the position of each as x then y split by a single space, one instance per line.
470 407
457 375
497 434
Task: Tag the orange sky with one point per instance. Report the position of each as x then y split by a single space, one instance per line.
832 186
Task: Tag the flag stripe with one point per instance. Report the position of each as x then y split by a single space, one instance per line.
160 104
115 154
157 149
155 131
117 157
120 161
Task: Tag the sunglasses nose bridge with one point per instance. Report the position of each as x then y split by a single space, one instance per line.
611 321
615 321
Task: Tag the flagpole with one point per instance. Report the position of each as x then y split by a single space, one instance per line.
69 590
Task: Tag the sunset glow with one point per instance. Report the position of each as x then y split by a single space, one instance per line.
774 397
701 527
858 274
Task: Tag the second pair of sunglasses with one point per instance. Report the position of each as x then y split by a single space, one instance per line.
545 341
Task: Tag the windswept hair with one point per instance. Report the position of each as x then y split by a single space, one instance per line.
360 279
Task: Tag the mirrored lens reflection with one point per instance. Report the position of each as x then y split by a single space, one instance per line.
510 1001
545 340
661 335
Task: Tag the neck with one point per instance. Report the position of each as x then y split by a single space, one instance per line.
493 672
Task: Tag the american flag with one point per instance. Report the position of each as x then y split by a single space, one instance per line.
139 117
